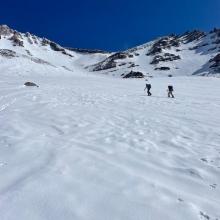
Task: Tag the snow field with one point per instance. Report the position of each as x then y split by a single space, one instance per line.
87 147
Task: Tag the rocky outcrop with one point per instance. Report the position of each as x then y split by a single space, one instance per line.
163 68
110 62
30 84
58 48
134 74
198 46
132 65
105 65
163 43
215 63
216 37
29 38
165 58
7 53
192 36
17 39
5 30
119 56
54 46
45 42
215 31
34 39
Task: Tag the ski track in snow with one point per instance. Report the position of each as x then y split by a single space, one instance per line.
89 147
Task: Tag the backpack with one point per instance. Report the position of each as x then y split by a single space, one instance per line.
148 86
170 88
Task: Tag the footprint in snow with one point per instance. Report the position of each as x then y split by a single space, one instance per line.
180 200
213 186
204 160
2 164
204 216
194 173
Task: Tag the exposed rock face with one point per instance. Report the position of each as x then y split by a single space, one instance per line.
17 39
45 42
164 43
110 62
215 30
213 48
34 39
215 63
7 53
216 38
134 74
5 30
104 65
165 58
29 38
118 56
54 46
198 46
164 68
30 84
132 65
192 36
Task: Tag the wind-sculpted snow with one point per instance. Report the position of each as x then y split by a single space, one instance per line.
95 148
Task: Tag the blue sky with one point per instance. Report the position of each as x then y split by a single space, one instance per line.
109 24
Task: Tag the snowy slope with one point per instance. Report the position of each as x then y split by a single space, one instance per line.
91 148
29 52
88 146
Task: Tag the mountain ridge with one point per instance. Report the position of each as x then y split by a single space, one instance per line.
191 53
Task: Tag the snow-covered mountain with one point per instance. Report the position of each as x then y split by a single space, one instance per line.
193 53
27 53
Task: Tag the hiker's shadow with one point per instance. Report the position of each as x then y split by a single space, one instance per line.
155 96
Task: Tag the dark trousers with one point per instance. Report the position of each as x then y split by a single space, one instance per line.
148 92
170 94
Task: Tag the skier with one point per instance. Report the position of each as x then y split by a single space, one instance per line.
170 91
148 87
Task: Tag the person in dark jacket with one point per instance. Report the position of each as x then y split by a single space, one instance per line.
148 87
170 91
